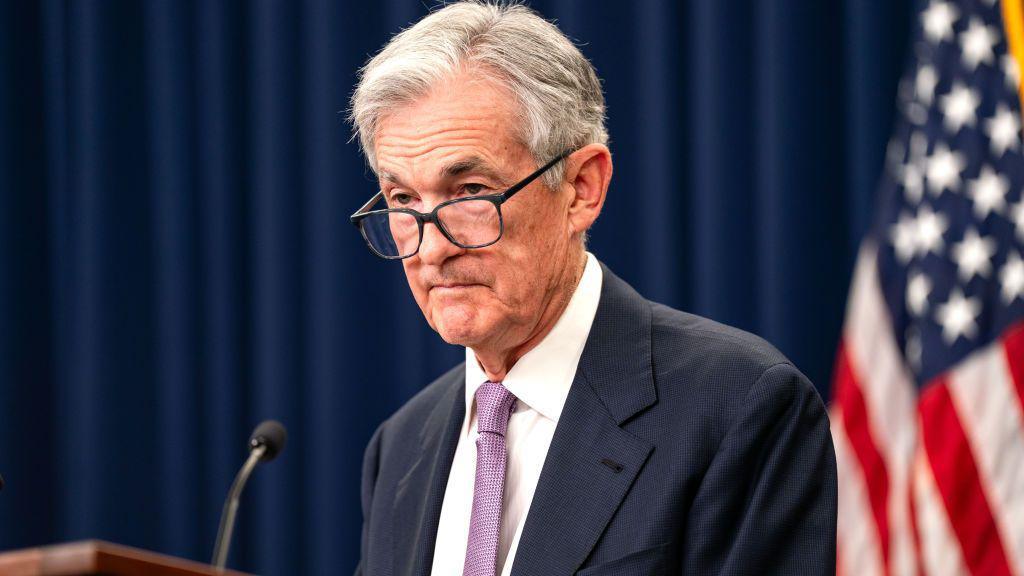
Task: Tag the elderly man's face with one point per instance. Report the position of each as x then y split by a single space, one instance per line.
457 141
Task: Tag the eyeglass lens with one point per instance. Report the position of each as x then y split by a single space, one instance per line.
469 222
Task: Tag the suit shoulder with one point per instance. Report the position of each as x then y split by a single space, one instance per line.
708 374
700 361
681 340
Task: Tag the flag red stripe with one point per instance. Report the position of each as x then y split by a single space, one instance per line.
957 479
848 395
1013 343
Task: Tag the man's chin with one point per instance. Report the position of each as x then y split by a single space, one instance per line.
461 335
460 323
461 327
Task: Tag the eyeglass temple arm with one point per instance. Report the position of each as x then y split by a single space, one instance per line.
366 207
526 181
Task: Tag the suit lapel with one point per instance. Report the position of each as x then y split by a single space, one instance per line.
420 493
577 494
592 460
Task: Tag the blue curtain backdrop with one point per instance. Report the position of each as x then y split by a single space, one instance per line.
176 262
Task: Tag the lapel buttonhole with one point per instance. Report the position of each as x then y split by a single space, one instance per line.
612 464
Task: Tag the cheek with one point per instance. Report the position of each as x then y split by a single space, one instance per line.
522 280
419 293
546 230
538 250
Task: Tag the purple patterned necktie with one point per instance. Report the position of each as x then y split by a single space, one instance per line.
494 405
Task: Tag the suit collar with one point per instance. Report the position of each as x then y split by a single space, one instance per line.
618 350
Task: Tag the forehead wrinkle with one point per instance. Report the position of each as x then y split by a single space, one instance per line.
447 142
432 116
469 155
421 144
414 135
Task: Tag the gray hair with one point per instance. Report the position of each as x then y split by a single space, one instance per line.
560 104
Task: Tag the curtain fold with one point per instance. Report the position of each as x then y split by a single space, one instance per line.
176 262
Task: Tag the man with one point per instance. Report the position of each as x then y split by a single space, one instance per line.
589 431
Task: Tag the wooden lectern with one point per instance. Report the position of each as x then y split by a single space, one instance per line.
95 557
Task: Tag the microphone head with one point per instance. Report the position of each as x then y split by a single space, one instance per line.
270 434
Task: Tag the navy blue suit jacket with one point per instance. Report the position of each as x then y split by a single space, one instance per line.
684 447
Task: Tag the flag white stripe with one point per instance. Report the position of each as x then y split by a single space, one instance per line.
940 549
859 550
985 399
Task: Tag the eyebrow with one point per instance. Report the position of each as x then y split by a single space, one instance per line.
465 165
394 179
456 169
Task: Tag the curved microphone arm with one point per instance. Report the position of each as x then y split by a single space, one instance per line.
227 517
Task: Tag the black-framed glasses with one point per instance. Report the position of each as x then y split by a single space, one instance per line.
468 222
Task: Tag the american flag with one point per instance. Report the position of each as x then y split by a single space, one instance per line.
928 395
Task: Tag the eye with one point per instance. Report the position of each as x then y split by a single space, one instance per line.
473 189
400 199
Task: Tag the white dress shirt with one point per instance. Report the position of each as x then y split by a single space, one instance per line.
540 381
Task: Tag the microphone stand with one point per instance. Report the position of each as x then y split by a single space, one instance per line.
227 517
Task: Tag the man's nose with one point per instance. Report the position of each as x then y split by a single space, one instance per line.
435 248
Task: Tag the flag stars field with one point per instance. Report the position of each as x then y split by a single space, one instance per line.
976 44
912 178
938 21
973 255
1011 276
1017 216
958 316
959 107
912 173
1003 130
930 228
943 169
918 289
924 84
904 237
988 192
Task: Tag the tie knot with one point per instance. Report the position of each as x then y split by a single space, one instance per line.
494 404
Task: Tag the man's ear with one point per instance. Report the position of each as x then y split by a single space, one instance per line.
588 172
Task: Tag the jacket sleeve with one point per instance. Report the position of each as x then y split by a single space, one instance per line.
369 482
767 503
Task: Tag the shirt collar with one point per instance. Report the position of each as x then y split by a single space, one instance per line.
542 377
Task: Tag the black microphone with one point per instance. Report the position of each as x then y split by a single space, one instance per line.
266 443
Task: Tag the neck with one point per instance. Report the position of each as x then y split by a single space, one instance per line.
497 363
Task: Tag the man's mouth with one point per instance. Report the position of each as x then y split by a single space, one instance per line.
454 286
